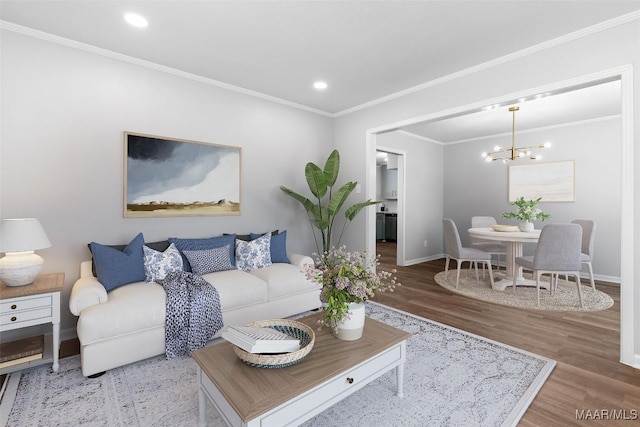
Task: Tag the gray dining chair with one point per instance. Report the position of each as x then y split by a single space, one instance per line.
588 237
454 250
557 252
492 247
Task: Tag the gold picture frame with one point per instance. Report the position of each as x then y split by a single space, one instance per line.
166 177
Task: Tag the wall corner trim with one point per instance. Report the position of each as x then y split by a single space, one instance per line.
153 66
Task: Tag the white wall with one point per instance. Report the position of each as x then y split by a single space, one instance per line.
475 187
445 181
64 111
591 54
63 115
423 194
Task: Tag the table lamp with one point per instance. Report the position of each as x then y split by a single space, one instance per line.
19 238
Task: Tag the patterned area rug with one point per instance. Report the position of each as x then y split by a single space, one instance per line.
565 298
452 378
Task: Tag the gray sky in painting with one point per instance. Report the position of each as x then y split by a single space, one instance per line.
180 172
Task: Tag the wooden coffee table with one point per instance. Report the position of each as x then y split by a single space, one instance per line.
334 369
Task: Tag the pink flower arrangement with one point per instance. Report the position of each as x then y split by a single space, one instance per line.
347 277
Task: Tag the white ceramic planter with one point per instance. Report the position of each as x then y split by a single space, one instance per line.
351 329
525 226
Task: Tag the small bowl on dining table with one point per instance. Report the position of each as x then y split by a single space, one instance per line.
504 228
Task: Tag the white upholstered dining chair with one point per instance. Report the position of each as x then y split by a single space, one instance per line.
490 246
454 250
557 252
588 237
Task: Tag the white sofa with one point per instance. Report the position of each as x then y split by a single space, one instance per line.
127 324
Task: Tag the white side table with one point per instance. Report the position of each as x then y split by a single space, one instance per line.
34 304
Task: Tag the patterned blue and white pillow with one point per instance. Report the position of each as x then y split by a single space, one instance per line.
254 254
278 246
209 260
158 264
206 243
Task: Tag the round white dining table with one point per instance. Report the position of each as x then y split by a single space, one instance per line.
514 241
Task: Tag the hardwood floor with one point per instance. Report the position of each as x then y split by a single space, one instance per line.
588 375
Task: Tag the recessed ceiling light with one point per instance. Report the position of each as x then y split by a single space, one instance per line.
320 85
136 20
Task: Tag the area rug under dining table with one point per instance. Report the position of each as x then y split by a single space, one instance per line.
452 378
564 298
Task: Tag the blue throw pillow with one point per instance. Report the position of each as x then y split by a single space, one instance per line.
115 268
278 246
207 243
157 246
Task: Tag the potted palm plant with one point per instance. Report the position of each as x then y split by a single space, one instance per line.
327 203
348 279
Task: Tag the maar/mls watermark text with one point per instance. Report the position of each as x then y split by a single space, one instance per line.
607 414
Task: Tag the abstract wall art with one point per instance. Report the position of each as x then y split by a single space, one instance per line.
552 181
166 177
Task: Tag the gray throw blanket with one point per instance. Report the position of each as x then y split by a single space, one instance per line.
193 313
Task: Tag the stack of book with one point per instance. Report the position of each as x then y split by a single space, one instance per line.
21 351
260 340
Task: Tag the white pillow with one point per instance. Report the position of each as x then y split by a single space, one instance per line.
158 264
254 254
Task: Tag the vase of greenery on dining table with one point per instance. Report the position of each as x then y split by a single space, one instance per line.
527 211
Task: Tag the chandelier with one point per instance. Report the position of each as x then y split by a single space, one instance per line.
514 153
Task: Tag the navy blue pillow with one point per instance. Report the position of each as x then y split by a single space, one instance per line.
115 268
207 243
278 246
160 246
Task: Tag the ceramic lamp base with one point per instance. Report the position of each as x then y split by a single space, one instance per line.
20 268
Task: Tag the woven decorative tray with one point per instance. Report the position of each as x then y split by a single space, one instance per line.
498 227
270 361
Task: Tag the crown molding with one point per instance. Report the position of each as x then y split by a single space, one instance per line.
602 26
152 65
538 129
499 135
420 137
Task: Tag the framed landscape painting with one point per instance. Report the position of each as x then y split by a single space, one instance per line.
552 181
166 177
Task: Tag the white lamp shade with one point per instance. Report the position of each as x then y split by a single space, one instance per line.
22 234
18 239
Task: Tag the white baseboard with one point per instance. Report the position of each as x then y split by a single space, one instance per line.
583 275
68 334
611 279
635 363
415 261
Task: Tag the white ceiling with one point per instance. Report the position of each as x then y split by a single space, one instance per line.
540 111
364 50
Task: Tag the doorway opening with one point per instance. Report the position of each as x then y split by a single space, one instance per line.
390 164
628 294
